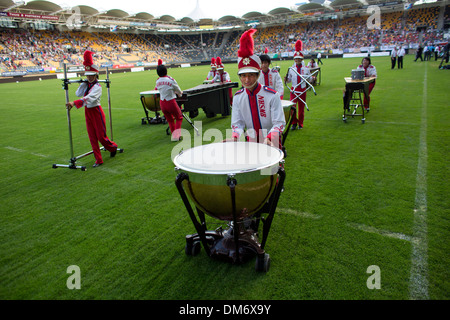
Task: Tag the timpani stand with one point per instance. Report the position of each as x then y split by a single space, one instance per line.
236 182
150 102
355 90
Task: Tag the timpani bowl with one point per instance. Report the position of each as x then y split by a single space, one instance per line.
252 165
150 100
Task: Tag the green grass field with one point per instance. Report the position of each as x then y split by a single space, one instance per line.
356 195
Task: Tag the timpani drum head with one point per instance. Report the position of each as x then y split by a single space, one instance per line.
254 166
150 100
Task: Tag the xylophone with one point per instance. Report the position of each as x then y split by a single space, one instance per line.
352 97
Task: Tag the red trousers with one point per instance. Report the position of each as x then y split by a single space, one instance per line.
367 99
300 107
173 115
96 128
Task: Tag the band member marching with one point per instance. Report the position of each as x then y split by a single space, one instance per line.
270 77
256 108
371 72
212 73
91 93
222 76
168 91
299 87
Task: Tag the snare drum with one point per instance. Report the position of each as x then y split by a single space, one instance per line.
150 100
253 165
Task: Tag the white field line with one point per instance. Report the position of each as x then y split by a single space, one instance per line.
381 232
370 121
298 213
418 284
21 150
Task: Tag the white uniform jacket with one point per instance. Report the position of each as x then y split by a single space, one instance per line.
225 77
293 77
370 71
260 109
273 80
167 87
90 93
211 74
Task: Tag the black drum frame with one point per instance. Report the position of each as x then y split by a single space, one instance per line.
72 162
239 242
147 119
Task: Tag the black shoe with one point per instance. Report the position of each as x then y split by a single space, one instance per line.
294 126
97 165
113 153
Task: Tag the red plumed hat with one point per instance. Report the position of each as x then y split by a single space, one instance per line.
298 49
213 63
89 66
247 60
266 51
219 64
160 62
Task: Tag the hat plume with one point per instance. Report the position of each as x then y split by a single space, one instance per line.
246 43
299 45
88 61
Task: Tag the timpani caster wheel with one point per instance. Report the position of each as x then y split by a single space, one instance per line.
192 248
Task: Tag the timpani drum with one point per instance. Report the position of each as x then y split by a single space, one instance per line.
287 107
150 100
254 167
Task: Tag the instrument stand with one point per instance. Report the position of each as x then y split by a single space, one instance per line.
304 80
186 117
239 242
353 99
72 162
149 120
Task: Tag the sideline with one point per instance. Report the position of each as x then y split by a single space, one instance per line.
418 285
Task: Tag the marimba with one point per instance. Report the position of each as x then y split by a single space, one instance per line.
212 98
353 97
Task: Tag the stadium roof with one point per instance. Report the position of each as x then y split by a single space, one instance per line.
91 15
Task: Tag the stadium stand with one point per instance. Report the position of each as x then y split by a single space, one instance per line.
25 47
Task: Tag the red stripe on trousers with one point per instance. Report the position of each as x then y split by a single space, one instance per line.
173 115
96 128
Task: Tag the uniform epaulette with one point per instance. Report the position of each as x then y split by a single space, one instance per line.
239 91
268 89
